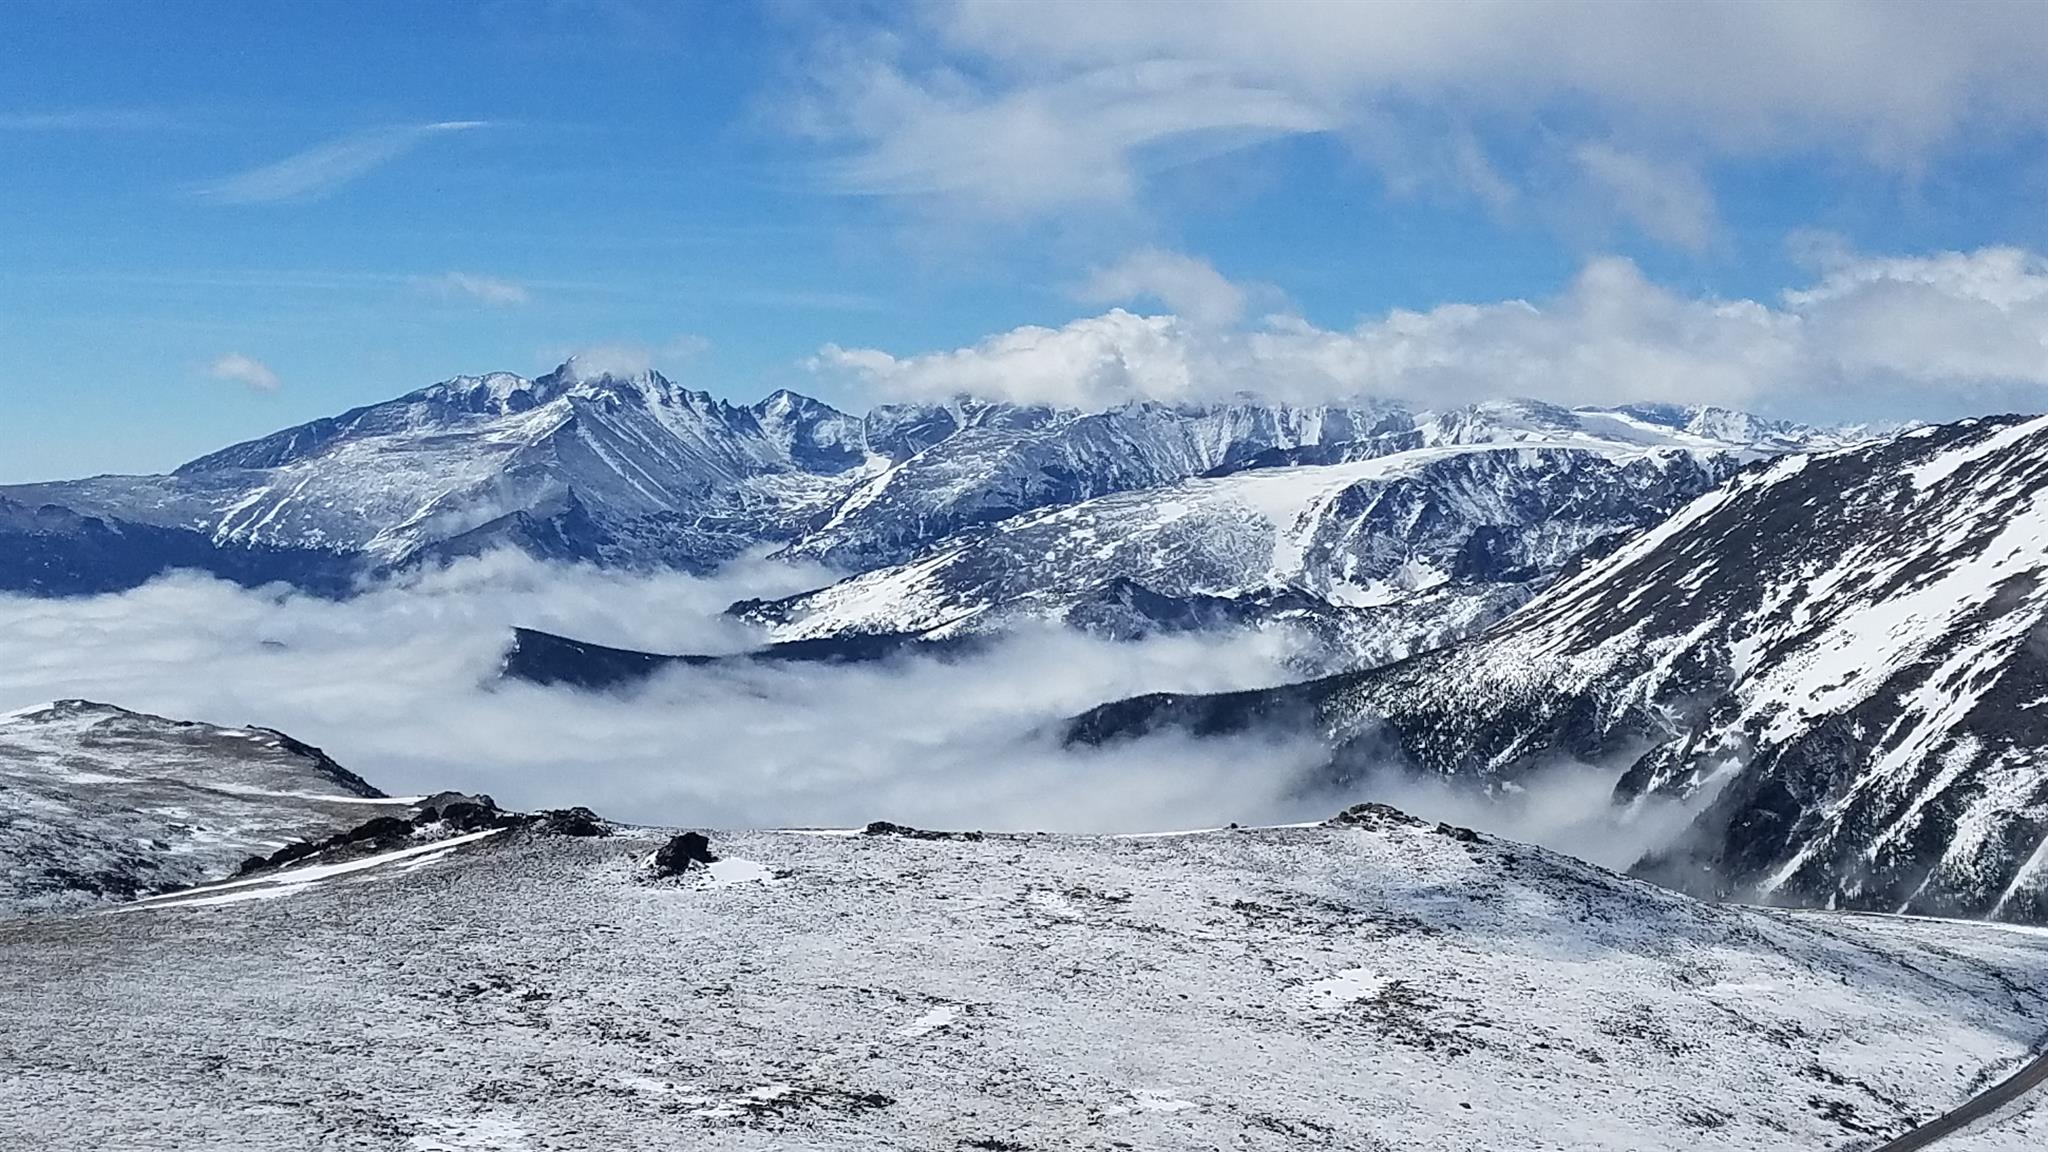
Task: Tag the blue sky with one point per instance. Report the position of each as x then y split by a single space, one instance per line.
216 220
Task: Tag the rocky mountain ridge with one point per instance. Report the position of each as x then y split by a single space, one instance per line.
1374 558
1839 655
638 471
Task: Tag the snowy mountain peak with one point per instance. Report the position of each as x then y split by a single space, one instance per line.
1735 427
574 378
1493 421
783 404
497 393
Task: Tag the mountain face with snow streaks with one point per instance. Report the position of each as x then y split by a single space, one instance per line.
1842 656
1004 460
639 472
606 469
1376 548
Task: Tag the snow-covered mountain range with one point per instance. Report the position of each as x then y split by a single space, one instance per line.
605 469
640 472
1840 654
1381 550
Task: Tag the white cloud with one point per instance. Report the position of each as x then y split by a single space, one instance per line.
1668 202
1950 318
1088 363
244 370
1188 286
86 120
1891 74
488 289
627 358
321 169
990 103
1941 324
399 685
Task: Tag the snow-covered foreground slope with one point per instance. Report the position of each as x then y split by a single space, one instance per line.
1844 650
1399 550
1383 984
98 803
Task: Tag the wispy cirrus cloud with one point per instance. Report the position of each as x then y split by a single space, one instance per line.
245 370
85 120
1087 138
988 106
1665 201
325 167
486 289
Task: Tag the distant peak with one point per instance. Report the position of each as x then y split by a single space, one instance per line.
492 392
66 709
33 711
1529 407
497 385
784 399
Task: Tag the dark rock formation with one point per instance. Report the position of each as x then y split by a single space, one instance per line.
885 828
441 815
578 821
682 850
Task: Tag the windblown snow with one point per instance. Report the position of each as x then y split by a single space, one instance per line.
1378 984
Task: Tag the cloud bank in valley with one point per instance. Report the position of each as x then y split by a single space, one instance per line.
400 686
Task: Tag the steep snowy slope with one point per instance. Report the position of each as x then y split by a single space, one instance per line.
98 803
1380 547
1371 984
1845 650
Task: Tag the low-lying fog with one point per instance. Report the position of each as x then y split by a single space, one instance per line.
399 685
